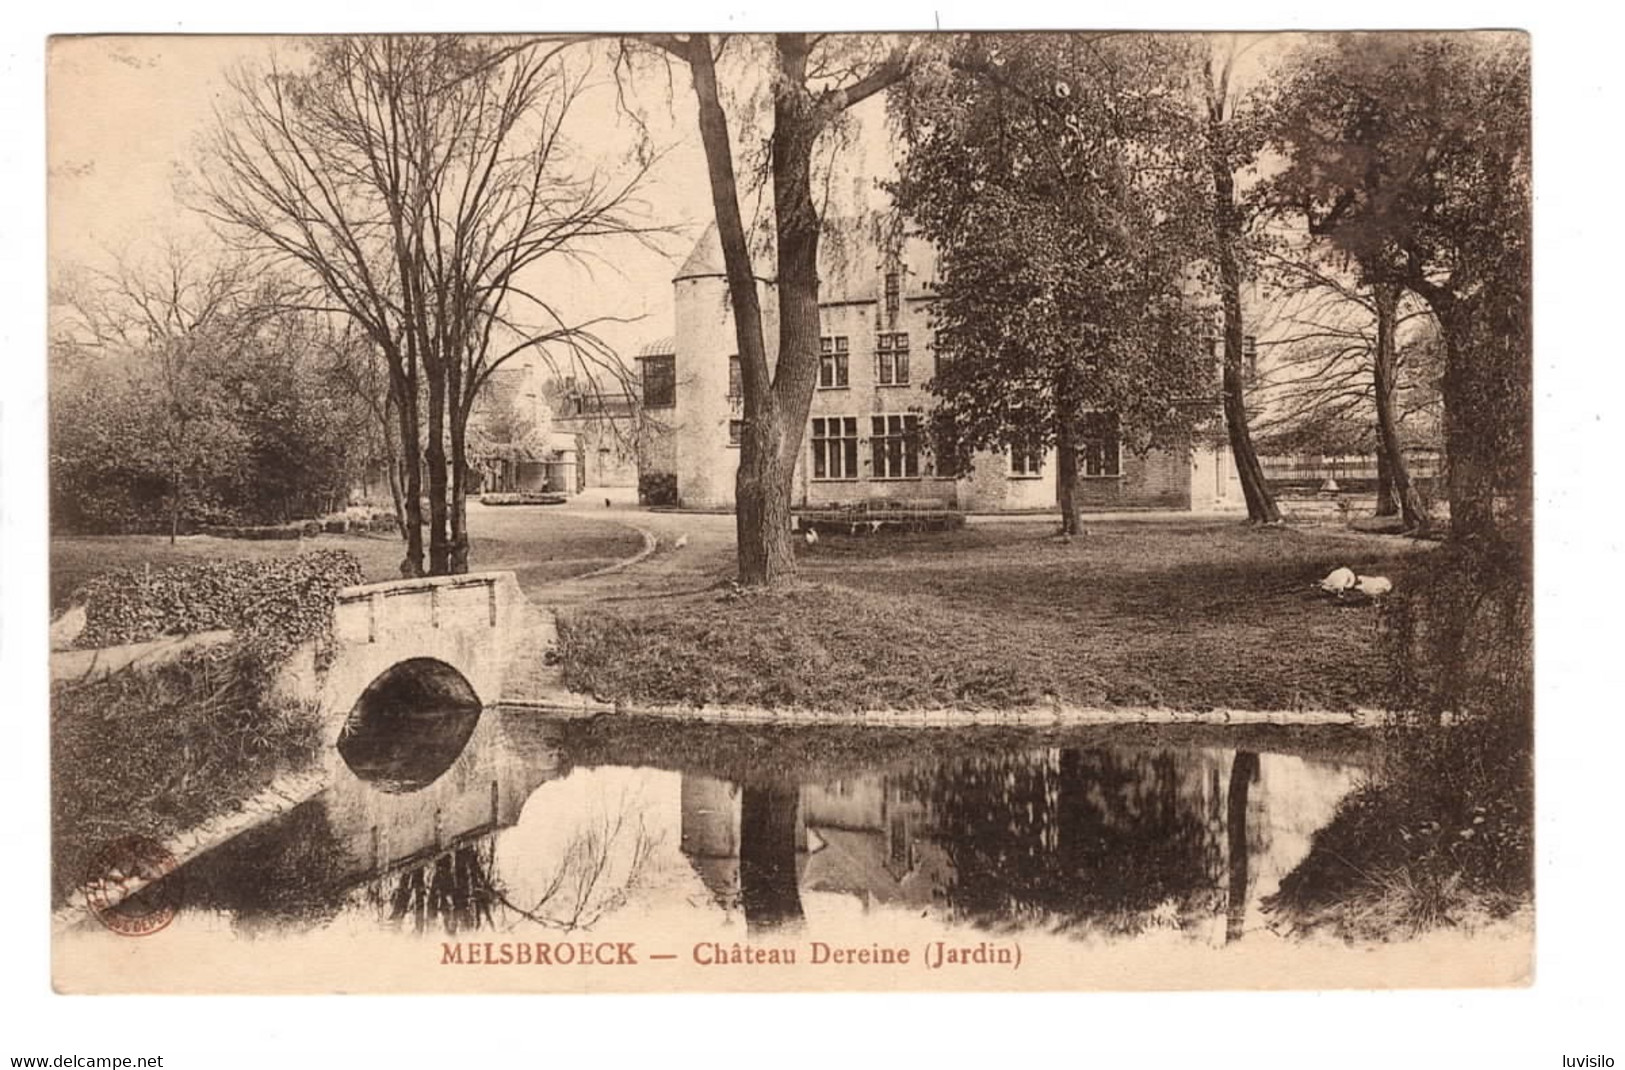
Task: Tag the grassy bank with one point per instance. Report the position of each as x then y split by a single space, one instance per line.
1190 616
154 753
1445 837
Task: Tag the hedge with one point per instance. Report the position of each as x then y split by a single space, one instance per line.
523 497
272 604
657 488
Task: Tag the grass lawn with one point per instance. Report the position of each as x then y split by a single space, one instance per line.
1185 615
537 544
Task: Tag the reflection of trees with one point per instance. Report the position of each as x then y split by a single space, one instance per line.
452 892
768 886
604 860
1243 774
286 874
1091 836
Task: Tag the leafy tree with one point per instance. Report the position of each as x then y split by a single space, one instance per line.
1076 839
166 413
136 347
1410 153
417 184
1054 176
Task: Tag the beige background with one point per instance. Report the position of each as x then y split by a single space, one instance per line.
1569 1009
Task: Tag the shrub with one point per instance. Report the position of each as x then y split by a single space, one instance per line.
1459 635
657 488
273 604
523 497
256 532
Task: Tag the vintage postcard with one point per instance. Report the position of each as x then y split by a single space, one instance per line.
798 512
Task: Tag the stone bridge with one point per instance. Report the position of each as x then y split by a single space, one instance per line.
415 644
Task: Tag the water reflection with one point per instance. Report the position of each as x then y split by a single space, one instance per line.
771 839
544 825
452 892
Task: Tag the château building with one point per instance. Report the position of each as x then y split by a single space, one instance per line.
866 439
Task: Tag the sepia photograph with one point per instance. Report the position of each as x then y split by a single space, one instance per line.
790 512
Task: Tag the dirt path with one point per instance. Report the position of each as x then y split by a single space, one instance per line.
705 557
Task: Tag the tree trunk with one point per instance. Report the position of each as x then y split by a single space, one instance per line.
769 889
412 467
175 481
1243 772
459 493
1387 499
1391 456
1470 476
762 489
1261 508
1470 462
1066 477
392 468
772 433
435 458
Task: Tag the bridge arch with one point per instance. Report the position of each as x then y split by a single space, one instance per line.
468 624
409 725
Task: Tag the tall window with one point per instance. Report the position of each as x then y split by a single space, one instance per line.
894 292
835 447
944 447
1101 446
736 431
943 358
659 382
1249 356
736 381
891 359
894 444
1026 463
832 362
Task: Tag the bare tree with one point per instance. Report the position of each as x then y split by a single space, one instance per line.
1230 144
420 183
815 78
1337 358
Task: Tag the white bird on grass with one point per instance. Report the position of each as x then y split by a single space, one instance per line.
1374 586
812 536
1340 580
682 541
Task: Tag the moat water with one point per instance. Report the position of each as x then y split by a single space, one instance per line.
506 823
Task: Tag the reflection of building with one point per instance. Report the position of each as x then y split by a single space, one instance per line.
867 434
1113 839
862 836
873 843
710 834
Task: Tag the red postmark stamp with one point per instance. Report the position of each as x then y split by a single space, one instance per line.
131 886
